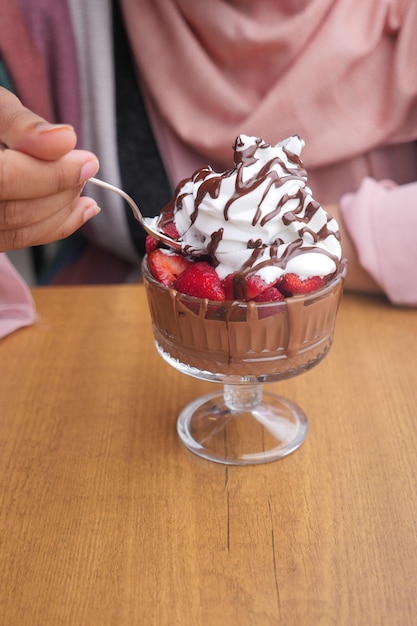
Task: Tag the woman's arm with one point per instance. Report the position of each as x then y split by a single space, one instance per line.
379 234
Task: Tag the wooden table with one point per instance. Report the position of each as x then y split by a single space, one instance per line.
105 519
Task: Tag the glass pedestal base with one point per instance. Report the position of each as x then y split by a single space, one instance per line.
242 426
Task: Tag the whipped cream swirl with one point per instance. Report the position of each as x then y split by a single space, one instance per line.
259 217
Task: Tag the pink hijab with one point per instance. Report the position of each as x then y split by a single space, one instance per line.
342 75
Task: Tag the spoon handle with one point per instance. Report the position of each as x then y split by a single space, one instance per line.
122 194
146 223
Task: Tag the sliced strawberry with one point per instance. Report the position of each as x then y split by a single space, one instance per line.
151 244
292 284
200 280
237 288
270 294
255 285
227 286
171 230
167 223
166 266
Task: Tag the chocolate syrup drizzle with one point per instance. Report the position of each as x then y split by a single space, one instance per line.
210 184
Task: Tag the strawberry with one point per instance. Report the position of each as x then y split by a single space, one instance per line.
166 266
151 243
201 281
292 284
243 289
270 294
171 230
167 223
227 286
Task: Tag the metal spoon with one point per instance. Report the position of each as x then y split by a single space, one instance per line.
148 223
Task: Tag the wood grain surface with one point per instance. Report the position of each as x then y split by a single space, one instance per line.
106 520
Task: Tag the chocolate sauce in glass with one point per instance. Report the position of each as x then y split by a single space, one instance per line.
244 340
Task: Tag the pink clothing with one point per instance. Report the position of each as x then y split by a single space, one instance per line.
381 219
272 69
16 304
47 21
343 77
38 48
26 63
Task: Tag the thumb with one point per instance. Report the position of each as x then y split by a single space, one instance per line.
24 131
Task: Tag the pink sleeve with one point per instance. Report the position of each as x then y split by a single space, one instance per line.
381 219
17 308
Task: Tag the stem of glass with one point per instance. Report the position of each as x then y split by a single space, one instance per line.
242 397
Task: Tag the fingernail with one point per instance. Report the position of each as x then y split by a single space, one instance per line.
88 170
46 127
92 211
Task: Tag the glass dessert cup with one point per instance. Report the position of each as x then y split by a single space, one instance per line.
243 345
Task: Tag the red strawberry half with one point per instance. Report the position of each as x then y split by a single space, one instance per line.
171 230
167 224
201 281
270 294
151 244
292 284
244 289
166 266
